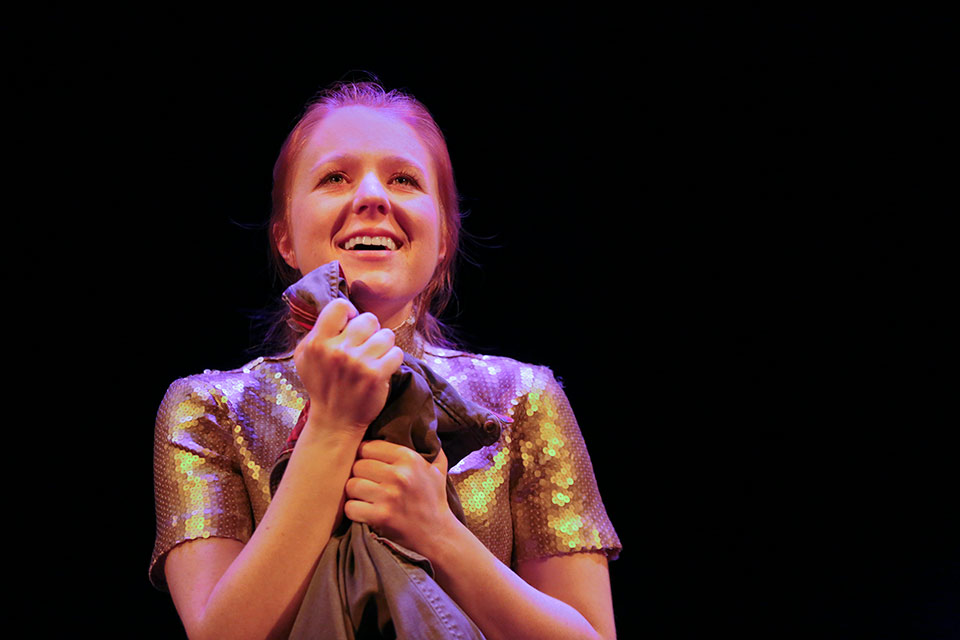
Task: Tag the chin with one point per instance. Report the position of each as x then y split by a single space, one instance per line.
371 291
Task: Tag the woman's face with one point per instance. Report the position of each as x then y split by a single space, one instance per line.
364 192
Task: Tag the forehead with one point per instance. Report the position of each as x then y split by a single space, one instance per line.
364 132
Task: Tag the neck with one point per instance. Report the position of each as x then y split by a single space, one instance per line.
390 317
402 321
406 337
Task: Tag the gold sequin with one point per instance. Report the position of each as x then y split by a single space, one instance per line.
532 494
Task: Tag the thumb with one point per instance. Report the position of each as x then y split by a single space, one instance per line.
334 317
441 462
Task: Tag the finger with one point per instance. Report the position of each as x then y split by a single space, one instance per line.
364 490
333 318
390 361
378 344
360 329
384 451
372 470
360 511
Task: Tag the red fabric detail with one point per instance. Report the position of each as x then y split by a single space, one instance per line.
298 429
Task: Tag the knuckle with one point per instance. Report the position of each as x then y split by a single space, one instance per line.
368 319
338 357
391 502
361 374
339 305
309 348
332 310
402 479
381 519
409 456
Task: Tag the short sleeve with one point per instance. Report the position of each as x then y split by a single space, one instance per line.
198 485
555 503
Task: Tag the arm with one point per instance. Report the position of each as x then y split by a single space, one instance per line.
223 588
397 492
581 580
558 597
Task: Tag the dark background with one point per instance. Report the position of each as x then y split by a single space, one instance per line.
723 231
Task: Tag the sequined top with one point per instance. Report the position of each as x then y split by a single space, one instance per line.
532 494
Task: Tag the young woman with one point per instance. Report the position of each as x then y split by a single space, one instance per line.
365 178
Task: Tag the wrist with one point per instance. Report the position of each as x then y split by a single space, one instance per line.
330 435
322 427
449 544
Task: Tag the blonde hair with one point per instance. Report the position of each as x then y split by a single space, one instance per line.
436 295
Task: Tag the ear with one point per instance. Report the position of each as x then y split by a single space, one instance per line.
281 236
442 254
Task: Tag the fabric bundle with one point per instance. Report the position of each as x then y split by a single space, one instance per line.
366 586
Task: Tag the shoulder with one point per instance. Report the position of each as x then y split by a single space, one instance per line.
500 381
270 380
255 373
500 368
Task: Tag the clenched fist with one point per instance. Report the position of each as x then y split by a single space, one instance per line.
345 363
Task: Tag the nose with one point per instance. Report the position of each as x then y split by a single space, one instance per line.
371 197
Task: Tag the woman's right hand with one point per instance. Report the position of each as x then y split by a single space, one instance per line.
223 588
345 363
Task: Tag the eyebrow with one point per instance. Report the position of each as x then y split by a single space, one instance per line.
342 157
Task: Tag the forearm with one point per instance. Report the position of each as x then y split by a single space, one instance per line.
260 593
499 601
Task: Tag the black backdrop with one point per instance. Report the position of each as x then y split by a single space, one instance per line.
723 231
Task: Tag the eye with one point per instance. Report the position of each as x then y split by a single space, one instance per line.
334 177
406 180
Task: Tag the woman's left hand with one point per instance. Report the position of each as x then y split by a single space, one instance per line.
400 495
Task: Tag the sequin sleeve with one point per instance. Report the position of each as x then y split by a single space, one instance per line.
555 502
198 486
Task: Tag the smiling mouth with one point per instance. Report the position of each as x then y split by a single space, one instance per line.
370 243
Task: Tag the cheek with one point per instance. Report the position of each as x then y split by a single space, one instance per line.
308 226
310 240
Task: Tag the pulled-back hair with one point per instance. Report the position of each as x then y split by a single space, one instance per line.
435 296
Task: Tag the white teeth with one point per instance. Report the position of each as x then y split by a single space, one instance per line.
381 241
